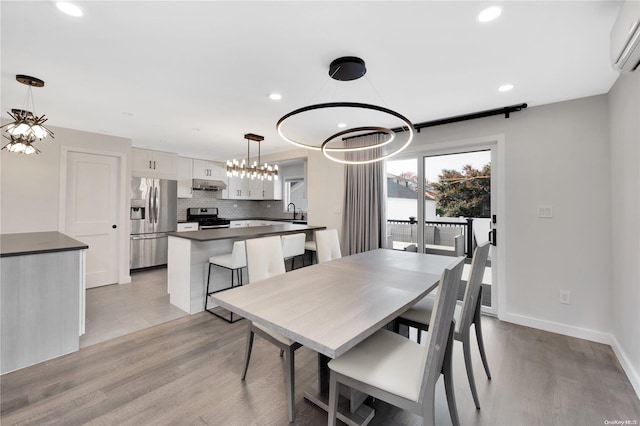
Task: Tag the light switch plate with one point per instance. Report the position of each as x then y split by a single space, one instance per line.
545 211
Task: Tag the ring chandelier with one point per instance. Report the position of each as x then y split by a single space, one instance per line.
347 69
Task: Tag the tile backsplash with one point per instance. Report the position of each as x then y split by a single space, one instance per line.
233 209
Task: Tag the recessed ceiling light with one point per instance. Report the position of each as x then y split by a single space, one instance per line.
275 96
128 114
195 129
505 87
489 14
342 125
69 8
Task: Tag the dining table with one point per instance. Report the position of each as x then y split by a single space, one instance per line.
332 306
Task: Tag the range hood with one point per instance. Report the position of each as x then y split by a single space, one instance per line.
208 185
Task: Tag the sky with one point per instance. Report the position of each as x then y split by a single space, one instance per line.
436 163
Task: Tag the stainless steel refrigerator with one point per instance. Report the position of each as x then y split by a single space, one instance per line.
153 214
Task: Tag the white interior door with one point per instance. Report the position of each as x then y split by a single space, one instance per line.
92 212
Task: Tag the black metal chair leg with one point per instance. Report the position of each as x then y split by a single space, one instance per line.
206 294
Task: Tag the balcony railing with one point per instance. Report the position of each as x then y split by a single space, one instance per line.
439 233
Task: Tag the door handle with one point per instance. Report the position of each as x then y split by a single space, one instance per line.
114 226
149 163
150 215
155 207
492 237
154 164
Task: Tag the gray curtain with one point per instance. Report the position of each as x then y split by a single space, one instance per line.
364 219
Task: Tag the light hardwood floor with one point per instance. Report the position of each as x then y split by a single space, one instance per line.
119 309
187 372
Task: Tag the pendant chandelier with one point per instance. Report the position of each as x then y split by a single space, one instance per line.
350 68
256 170
26 126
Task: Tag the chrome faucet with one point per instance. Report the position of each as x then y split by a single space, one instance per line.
294 209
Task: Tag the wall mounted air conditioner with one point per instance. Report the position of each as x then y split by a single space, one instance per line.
625 38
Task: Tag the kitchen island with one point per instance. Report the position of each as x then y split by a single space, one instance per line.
189 254
41 297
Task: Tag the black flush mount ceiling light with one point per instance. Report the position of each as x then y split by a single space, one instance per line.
255 170
26 126
350 68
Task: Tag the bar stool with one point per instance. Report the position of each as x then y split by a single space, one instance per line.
292 247
235 261
311 246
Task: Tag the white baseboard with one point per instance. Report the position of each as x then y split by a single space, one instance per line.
553 327
627 366
581 333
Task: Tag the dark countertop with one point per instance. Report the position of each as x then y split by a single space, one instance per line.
37 242
279 219
274 219
248 232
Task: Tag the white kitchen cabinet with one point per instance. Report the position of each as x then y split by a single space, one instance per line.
185 173
187 226
252 189
210 170
237 189
238 223
154 164
256 189
272 190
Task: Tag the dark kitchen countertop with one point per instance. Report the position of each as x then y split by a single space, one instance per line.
278 219
37 242
244 232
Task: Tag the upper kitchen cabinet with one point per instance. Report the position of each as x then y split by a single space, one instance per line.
252 189
272 190
208 170
237 189
154 164
185 172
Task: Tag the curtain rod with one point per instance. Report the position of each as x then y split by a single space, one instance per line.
481 114
455 119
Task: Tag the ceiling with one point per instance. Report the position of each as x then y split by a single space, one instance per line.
193 77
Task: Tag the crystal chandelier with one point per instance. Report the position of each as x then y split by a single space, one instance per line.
26 126
254 171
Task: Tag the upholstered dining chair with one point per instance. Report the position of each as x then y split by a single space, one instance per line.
399 371
292 247
265 260
419 316
327 245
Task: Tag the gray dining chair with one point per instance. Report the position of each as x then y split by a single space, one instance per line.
265 260
402 372
419 316
327 245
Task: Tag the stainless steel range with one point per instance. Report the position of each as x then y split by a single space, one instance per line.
207 218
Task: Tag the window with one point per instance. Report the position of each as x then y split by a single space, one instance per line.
294 192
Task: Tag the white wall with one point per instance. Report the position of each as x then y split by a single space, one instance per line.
325 187
30 184
555 154
624 118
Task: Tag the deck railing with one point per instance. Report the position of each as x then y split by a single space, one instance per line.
406 231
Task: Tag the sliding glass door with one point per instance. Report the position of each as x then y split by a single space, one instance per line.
444 203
